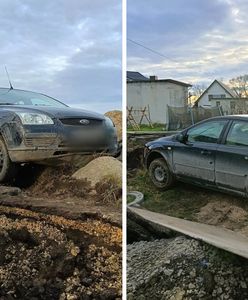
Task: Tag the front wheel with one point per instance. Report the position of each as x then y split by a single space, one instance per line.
160 174
8 169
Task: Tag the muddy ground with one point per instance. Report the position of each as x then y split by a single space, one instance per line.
60 238
53 190
50 257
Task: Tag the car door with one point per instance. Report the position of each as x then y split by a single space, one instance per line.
232 158
195 158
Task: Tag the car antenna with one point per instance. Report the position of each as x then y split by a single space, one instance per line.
10 84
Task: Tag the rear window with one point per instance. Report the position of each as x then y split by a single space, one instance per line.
238 134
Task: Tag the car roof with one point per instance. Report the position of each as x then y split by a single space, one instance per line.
232 117
14 89
228 117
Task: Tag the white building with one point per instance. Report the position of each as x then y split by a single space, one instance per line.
214 93
155 94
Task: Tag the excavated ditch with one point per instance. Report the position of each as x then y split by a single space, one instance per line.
161 265
50 257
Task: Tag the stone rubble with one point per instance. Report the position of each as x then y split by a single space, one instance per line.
182 268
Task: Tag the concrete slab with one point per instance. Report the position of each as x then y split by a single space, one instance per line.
217 236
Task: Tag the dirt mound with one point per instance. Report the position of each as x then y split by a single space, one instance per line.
58 182
224 214
116 117
100 169
49 257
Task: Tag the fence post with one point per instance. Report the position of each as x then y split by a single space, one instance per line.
192 116
220 110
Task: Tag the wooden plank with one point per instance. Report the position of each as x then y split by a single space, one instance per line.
217 236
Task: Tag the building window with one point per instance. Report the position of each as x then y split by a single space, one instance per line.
216 96
232 105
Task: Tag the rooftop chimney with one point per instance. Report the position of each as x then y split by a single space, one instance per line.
153 78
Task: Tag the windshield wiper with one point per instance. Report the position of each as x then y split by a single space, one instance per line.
6 103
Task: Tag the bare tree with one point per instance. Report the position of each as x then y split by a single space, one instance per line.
240 85
197 90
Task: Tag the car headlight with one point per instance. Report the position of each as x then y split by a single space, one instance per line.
109 122
34 118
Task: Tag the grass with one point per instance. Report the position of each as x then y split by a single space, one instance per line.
182 201
130 198
143 127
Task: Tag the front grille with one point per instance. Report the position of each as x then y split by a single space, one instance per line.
39 141
76 122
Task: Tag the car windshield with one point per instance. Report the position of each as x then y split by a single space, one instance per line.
19 97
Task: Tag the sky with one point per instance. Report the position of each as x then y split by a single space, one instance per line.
68 49
201 40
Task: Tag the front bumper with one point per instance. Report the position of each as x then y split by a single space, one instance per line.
40 143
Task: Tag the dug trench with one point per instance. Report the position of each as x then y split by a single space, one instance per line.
59 237
162 264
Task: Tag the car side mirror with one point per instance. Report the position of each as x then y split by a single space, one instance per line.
182 138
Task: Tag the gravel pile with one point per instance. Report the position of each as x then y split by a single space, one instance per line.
182 268
49 257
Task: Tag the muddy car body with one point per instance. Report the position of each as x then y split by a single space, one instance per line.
212 153
37 128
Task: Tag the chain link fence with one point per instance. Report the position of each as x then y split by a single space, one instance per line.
182 117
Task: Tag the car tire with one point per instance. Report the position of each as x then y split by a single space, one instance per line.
160 174
8 169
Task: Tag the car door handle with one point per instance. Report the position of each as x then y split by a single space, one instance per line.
206 152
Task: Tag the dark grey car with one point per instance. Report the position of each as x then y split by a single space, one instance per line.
212 153
37 128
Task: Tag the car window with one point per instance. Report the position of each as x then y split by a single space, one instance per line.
238 134
208 132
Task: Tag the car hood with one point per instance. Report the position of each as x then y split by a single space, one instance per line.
164 140
57 112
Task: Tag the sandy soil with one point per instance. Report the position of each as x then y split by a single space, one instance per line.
223 214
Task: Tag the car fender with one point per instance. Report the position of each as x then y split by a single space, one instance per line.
10 128
165 153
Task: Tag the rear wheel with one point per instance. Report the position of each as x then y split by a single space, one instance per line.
8 169
160 174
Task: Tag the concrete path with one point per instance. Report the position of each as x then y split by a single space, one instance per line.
213 235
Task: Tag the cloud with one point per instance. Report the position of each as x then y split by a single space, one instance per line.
70 50
202 40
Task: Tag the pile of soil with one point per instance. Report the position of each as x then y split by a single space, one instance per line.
50 257
116 117
100 169
224 214
182 268
58 182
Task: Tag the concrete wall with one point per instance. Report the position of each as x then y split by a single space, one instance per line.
156 95
216 90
